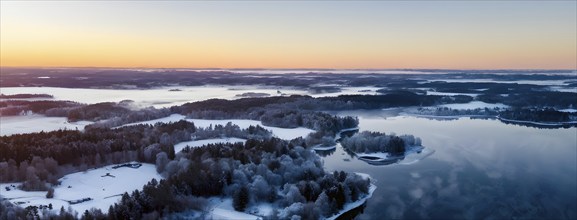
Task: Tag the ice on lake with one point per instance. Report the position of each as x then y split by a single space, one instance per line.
170 96
10 125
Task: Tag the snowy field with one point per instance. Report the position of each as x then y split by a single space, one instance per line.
103 189
569 110
223 209
474 105
169 96
10 125
282 133
178 147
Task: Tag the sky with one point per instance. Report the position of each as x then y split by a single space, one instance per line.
290 34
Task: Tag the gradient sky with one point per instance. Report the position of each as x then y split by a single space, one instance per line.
292 34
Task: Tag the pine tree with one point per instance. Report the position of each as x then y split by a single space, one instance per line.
240 199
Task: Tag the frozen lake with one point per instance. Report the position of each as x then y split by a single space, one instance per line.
10 125
170 96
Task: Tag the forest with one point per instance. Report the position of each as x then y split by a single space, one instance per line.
134 78
445 111
265 169
538 115
38 160
377 142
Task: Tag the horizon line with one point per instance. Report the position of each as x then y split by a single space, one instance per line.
264 68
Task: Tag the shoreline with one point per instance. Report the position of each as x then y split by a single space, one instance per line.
548 124
350 206
570 123
446 116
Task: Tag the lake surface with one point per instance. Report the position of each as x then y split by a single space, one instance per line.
482 169
173 95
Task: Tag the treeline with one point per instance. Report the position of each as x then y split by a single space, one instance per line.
268 109
115 114
40 159
533 99
445 111
271 171
25 96
99 111
231 130
326 126
295 102
9 211
538 115
104 78
480 87
293 179
374 142
45 107
27 157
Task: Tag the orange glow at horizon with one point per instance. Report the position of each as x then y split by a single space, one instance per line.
49 37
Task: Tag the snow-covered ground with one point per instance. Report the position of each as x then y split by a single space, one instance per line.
563 89
474 105
169 119
223 209
282 133
10 125
104 190
197 143
323 148
569 110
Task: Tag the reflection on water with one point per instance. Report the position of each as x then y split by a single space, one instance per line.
353 212
481 169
